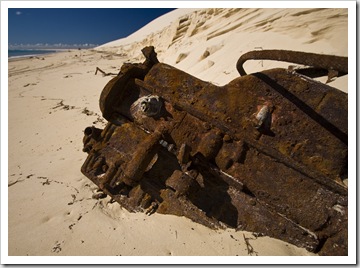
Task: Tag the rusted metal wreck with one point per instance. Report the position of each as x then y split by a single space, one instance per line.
265 153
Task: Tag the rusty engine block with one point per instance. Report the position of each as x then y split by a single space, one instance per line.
265 153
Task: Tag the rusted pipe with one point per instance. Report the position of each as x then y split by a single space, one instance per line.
327 62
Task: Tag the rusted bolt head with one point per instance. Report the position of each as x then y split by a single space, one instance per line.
226 138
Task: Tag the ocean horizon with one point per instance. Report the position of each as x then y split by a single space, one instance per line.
19 53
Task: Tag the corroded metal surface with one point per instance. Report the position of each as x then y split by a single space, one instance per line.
327 62
265 153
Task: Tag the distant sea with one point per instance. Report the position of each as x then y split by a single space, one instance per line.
17 53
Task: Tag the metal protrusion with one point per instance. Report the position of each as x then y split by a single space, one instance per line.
153 207
263 116
184 154
170 147
163 143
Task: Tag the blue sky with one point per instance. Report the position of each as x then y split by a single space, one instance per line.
76 25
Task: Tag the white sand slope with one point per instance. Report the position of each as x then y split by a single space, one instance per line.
207 43
53 98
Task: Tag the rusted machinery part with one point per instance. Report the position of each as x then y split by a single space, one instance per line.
111 94
208 196
190 148
327 62
267 150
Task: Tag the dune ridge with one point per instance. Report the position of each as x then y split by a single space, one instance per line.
225 34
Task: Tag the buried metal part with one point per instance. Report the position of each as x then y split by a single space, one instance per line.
280 176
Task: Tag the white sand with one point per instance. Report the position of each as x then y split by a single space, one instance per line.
54 97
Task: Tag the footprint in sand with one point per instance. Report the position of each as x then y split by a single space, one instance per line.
181 57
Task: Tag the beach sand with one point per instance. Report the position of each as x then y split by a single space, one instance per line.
53 98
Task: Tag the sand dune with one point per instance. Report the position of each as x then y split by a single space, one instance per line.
53 98
224 34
